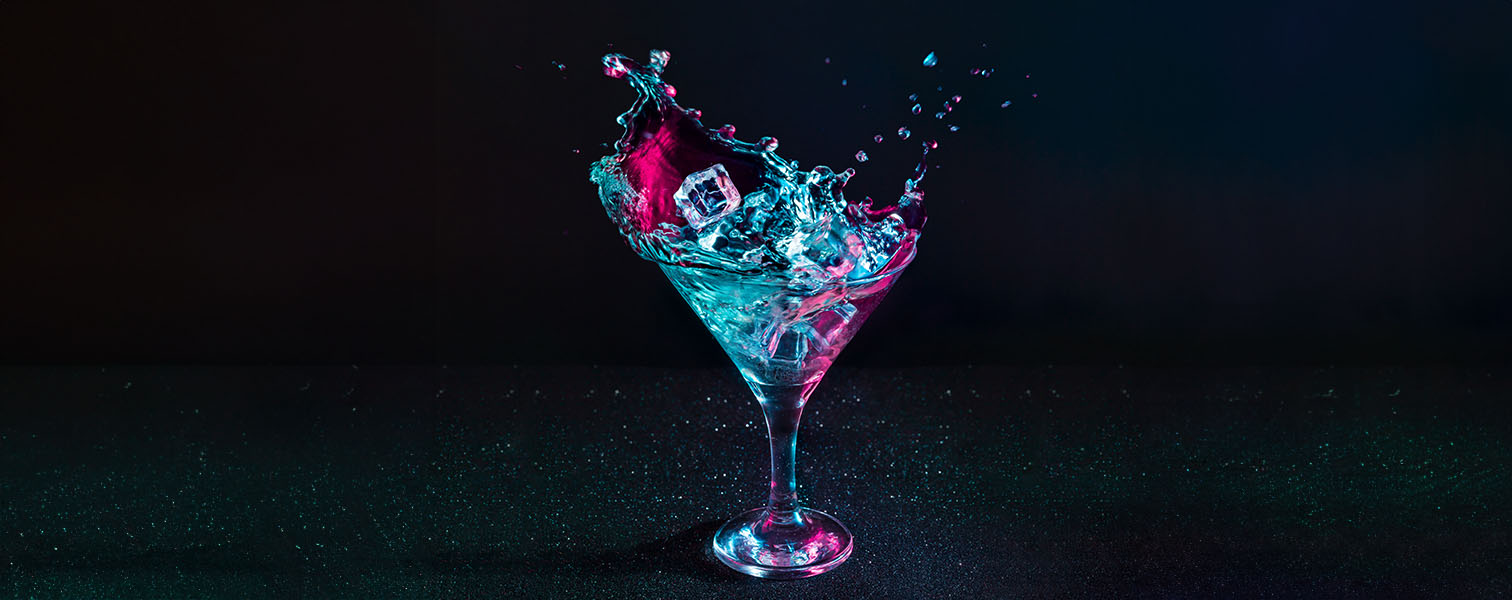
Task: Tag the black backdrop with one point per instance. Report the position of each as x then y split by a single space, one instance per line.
349 182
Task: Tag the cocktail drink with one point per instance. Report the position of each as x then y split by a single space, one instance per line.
783 275
783 338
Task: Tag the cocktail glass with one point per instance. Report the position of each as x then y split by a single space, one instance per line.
783 336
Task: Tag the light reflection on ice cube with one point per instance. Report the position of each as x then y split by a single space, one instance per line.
707 196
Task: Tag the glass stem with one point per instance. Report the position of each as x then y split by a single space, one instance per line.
782 405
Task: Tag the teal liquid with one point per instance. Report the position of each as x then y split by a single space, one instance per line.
767 216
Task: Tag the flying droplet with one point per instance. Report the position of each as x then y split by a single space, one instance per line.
956 98
939 115
826 60
931 144
877 138
976 71
671 91
931 60
903 133
917 109
1006 104
1033 95
954 128
767 143
559 66
913 97
727 132
842 82
861 156
576 151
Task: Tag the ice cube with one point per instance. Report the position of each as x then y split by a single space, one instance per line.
796 201
755 211
727 237
792 343
880 241
830 324
829 246
707 196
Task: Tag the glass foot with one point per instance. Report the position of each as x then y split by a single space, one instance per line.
777 545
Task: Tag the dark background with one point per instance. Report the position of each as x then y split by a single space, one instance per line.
1320 184
1292 182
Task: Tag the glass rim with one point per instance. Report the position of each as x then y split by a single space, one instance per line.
913 250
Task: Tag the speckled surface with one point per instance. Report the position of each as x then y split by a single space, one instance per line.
383 482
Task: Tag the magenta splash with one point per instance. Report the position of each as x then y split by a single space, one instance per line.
744 208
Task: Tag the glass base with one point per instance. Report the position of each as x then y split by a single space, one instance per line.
782 546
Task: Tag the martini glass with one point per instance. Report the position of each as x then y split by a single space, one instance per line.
782 336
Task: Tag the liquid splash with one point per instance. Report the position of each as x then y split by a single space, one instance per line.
683 194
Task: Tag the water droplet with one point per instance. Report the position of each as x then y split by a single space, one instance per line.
671 91
956 98
1033 95
659 60
877 138
861 156
1026 75
939 115
917 109
931 60
576 151
826 60
954 128
939 88
767 143
1006 104
847 174
903 133
559 66
976 71
695 113
727 132
931 144
842 82
913 97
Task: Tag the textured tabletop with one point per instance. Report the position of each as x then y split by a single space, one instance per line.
528 482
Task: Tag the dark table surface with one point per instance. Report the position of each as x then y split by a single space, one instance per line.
525 482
